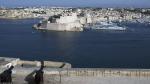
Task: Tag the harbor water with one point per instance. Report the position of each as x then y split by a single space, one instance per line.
92 49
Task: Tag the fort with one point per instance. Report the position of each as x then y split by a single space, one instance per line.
62 73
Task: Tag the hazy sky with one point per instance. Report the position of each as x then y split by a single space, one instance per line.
81 3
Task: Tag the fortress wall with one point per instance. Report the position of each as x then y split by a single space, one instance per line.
55 26
64 27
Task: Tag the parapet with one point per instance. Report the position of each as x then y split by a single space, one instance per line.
7 62
61 73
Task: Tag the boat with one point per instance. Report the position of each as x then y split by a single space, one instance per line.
107 26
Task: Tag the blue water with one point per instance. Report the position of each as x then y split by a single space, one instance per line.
103 49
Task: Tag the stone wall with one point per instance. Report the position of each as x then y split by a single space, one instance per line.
82 76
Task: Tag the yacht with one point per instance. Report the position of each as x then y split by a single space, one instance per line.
107 26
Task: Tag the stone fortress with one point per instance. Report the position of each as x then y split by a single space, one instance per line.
68 22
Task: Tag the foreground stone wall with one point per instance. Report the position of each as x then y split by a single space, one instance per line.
62 73
82 76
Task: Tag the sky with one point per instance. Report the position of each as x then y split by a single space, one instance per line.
76 3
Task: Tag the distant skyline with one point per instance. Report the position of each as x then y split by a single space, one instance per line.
76 3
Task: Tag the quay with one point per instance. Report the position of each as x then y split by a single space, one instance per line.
54 74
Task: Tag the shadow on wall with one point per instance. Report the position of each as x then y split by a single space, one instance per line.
30 78
36 77
6 76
